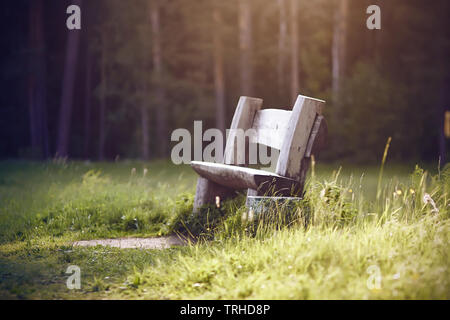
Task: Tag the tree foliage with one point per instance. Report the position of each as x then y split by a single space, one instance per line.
395 82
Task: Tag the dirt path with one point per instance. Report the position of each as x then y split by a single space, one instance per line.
134 243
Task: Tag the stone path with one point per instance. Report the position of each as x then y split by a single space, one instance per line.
134 243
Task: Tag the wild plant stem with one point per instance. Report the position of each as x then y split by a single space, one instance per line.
383 161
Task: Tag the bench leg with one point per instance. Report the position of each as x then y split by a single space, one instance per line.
207 191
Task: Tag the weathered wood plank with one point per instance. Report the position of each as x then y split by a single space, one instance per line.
240 178
229 175
316 142
270 127
207 191
318 137
242 119
298 132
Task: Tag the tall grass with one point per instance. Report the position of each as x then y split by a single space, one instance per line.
330 257
321 248
383 161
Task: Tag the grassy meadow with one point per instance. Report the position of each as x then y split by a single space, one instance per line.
351 226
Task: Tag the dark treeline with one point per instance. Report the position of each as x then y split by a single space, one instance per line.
139 69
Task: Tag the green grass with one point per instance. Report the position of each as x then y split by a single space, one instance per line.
347 225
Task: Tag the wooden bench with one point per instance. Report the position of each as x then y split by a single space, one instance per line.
297 134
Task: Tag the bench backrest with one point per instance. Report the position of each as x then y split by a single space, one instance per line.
270 127
291 132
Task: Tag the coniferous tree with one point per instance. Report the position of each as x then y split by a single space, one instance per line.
282 45
339 46
68 87
219 75
161 111
295 69
37 82
246 47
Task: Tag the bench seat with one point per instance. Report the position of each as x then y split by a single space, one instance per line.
239 178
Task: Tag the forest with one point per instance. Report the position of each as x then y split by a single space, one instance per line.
92 206
139 69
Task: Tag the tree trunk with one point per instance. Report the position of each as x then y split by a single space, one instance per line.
246 47
103 95
374 39
295 82
441 121
144 102
161 113
145 132
219 77
339 47
441 59
87 104
37 83
282 45
68 86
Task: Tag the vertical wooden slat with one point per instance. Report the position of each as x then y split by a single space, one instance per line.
246 46
316 142
297 135
219 72
295 65
242 119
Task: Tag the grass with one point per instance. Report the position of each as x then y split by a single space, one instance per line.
353 226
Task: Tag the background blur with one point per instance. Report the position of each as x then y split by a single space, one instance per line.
139 69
